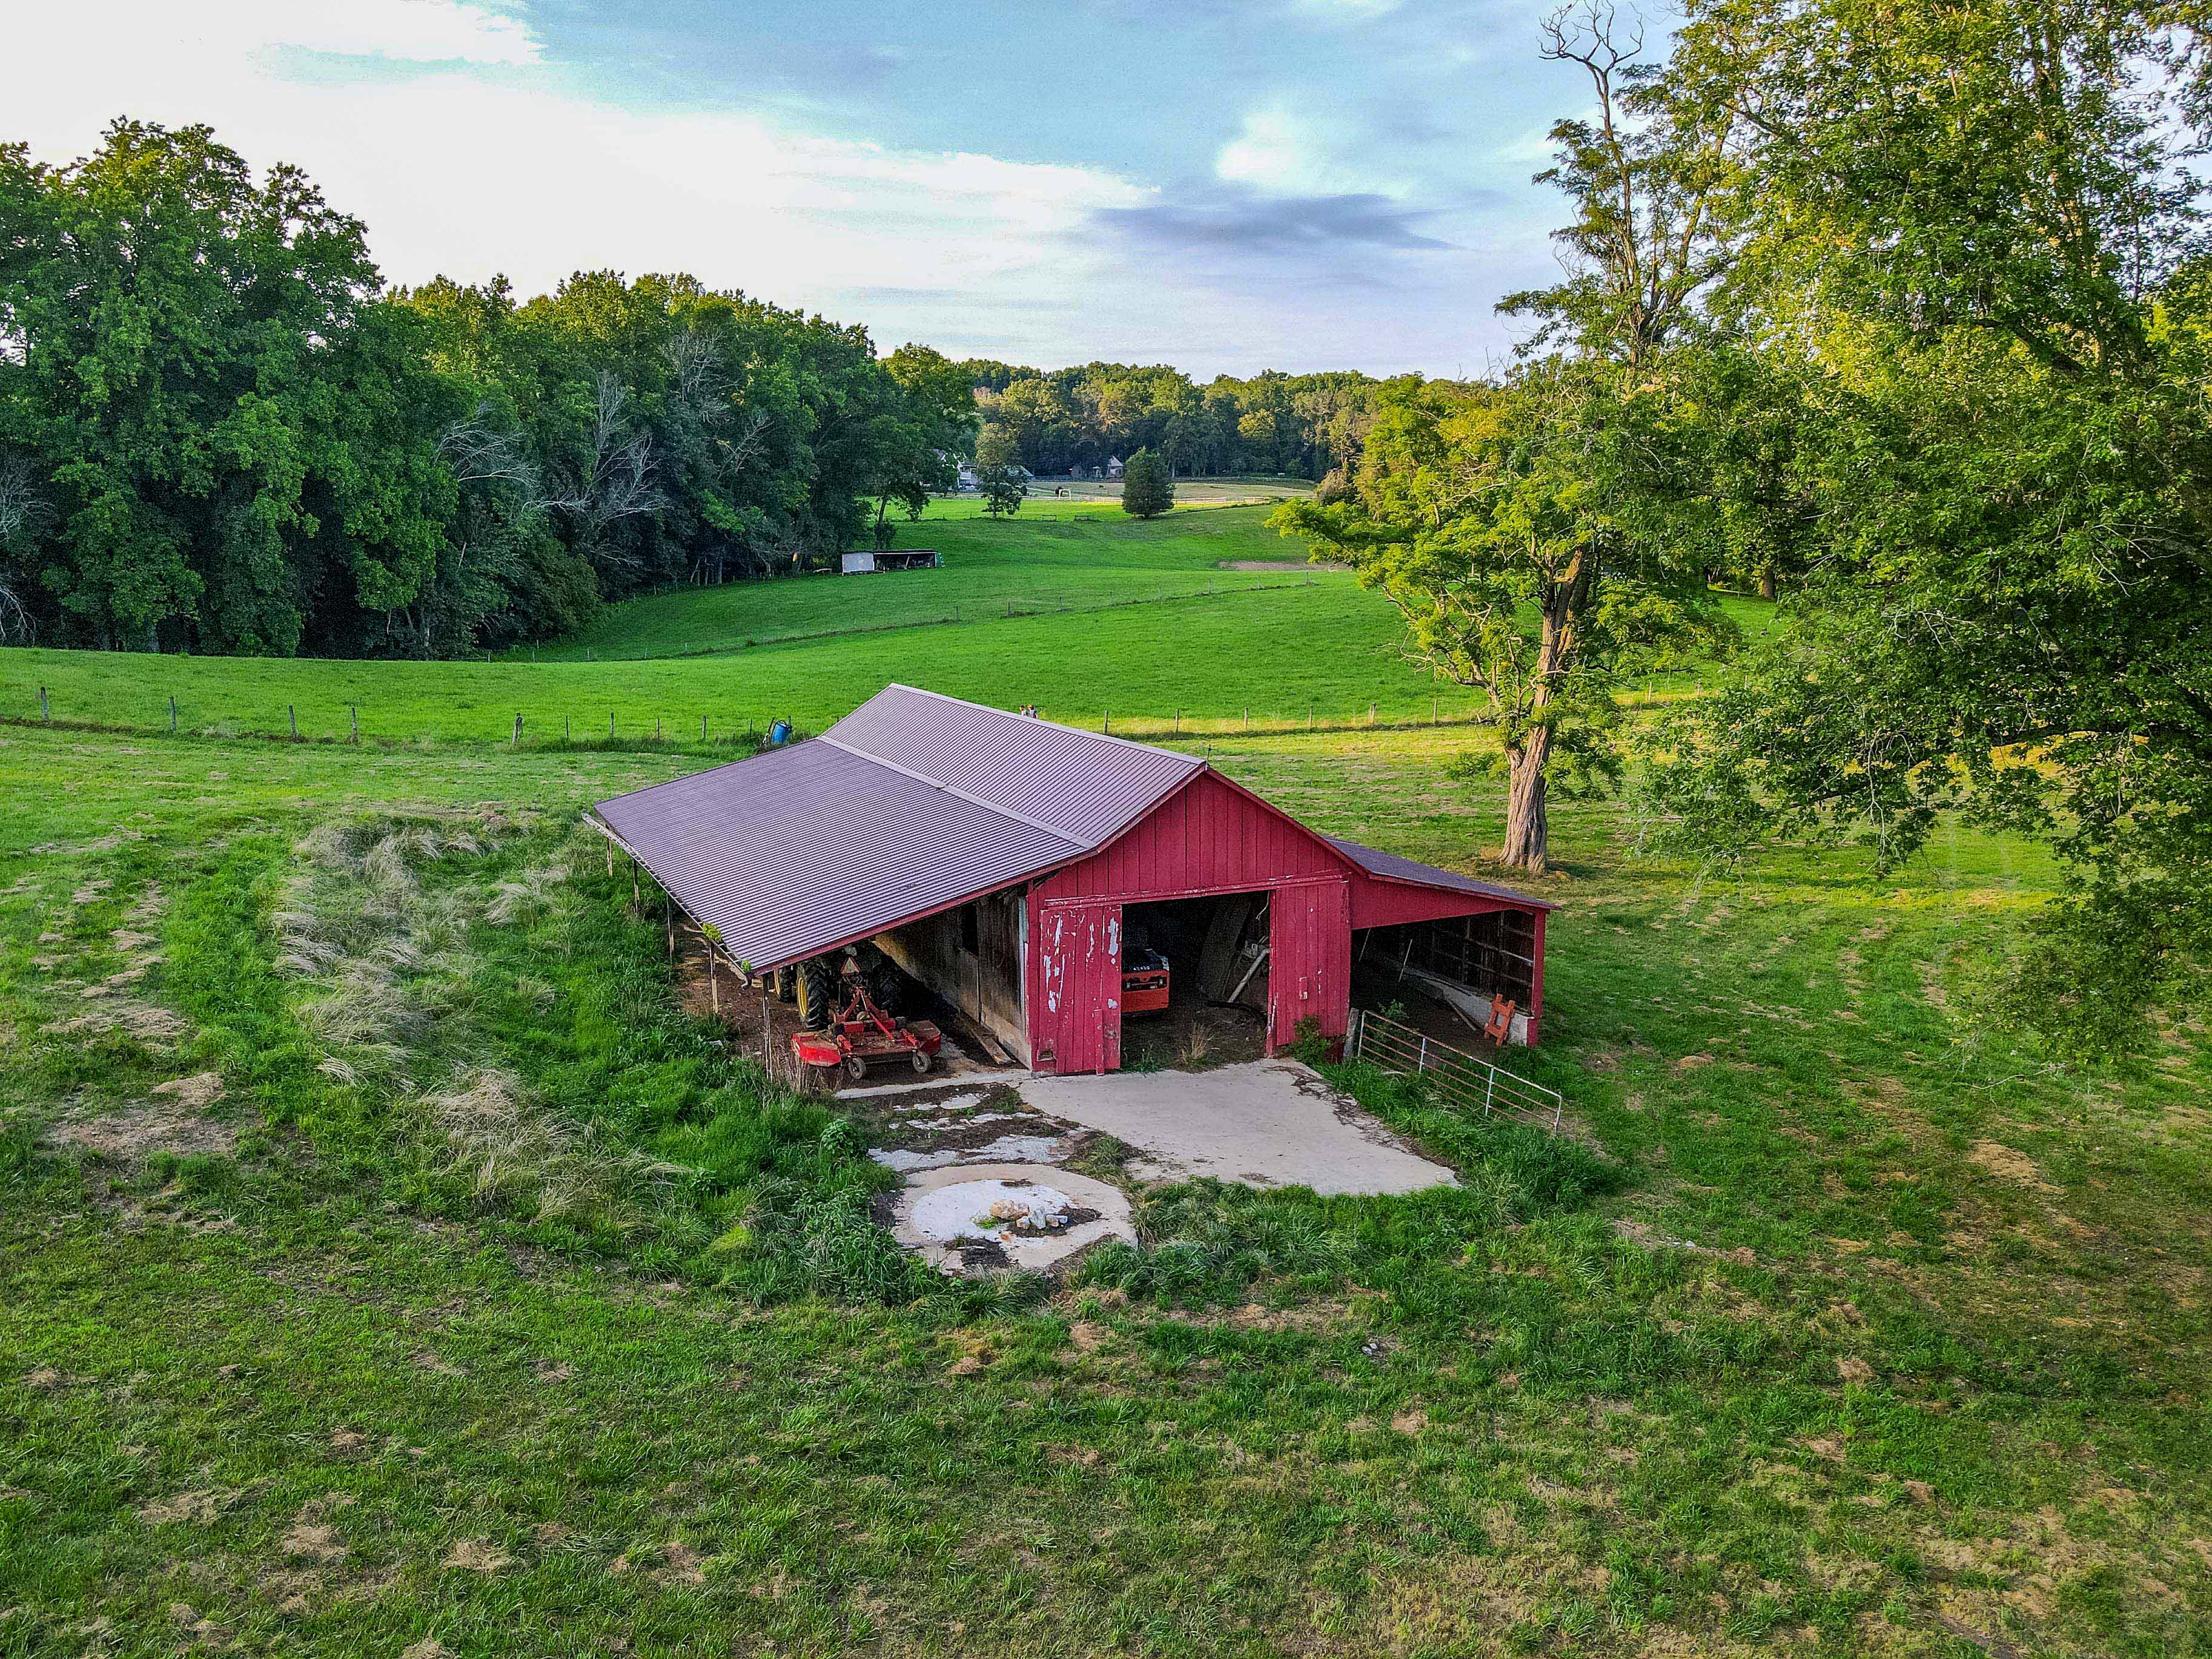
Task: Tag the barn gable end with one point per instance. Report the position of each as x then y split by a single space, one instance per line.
1210 836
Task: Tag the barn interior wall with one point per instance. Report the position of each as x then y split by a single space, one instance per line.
971 956
1493 955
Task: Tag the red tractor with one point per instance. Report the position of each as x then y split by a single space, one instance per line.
1144 975
861 1032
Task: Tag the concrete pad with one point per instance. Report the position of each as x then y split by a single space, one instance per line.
1270 1123
936 1215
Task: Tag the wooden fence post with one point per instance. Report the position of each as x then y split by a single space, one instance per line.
515 742
353 720
172 717
45 709
292 714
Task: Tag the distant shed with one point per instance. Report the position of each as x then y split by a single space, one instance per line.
896 558
1003 860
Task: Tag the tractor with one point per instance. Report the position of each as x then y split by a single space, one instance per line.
862 1030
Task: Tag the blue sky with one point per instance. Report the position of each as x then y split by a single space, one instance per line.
1223 185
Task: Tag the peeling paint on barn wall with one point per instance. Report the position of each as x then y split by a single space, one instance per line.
1077 1018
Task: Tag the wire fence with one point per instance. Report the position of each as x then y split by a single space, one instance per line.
716 731
1464 1080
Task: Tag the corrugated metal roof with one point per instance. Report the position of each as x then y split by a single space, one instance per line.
1391 867
911 803
1084 785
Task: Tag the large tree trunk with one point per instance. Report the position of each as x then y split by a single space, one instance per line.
1767 584
1527 828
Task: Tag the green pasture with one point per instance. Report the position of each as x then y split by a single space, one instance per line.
1053 555
499 1310
1281 650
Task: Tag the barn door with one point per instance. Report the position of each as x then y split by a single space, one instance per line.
1075 1010
1308 960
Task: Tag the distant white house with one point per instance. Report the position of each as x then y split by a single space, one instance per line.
1114 467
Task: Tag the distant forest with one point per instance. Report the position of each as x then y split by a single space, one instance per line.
1308 426
221 432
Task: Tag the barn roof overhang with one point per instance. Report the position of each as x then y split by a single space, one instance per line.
912 803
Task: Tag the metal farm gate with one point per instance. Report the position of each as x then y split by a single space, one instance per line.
1461 1078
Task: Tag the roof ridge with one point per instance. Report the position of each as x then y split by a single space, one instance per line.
953 789
1058 726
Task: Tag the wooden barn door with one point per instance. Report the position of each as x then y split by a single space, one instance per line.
1308 960
1075 1009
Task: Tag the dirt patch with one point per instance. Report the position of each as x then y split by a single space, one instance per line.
196 1092
2009 1162
477 1555
311 1540
142 1022
135 1134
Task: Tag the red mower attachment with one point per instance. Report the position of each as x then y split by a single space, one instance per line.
862 1033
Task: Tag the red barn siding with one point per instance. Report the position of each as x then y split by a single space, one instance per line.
1075 988
1310 966
1210 836
1377 903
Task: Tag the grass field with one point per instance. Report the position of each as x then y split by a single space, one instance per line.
386 1260
1053 554
1328 654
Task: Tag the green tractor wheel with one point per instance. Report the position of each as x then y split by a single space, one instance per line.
887 986
817 992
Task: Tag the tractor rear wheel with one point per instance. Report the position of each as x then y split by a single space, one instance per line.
787 985
887 987
817 992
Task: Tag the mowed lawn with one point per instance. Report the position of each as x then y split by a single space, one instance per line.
491 1307
1053 554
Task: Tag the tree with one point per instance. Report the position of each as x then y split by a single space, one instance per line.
999 472
235 437
1147 490
1496 519
1975 219
25 517
1522 529
923 435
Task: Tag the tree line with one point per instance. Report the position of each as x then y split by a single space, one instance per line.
220 432
1905 311
1057 421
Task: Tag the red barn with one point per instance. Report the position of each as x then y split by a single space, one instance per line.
1008 863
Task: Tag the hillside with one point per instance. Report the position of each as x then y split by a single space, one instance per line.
389 1254
387 1259
1053 554
1283 648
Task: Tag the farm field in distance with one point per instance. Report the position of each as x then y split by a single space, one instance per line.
1051 554
387 1257
1320 650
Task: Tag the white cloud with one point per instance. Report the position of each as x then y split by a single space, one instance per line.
405 31
1289 153
471 159
449 128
